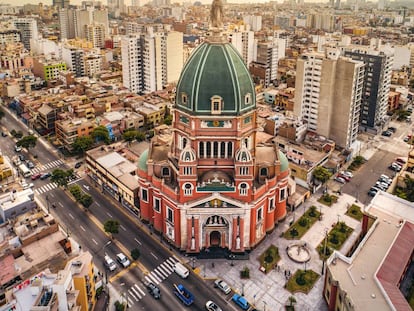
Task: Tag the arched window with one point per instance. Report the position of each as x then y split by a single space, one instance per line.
247 99
184 99
230 150
215 149
188 189
243 188
216 104
184 142
222 149
263 171
208 150
201 149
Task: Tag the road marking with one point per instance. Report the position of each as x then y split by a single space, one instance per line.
109 214
97 204
154 276
52 195
132 294
82 228
137 241
154 255
136 292
94 241
139 289
123 228
130 302
171 261
71 216
165 269
161 275
60 204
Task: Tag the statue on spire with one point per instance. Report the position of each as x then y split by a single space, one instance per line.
216 14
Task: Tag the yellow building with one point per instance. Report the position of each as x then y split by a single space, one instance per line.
5 169
82 269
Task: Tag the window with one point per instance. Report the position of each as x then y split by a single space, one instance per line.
184 99
259 215
282 194
165 171
188 170
144 195
170 232
263 171
188 189
243 170
170 215
157 205
201 149
247 99
271 206
243 189
216 104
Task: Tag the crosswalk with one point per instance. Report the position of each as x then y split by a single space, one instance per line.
47 166
156 276
45 188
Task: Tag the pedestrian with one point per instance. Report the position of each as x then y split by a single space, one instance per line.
212 264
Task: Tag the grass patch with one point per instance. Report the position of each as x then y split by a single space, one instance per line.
269 258
328 199
336 238
356 163
302 281
302 225
355 212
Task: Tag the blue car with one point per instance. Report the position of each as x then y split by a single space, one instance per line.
241 301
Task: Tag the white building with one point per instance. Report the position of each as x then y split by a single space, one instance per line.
28 29
95 33
255 22
93 64
328 95
74 58
243 41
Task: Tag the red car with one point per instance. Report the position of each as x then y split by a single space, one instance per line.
347 179
36 176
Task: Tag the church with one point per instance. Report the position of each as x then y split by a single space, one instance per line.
211 184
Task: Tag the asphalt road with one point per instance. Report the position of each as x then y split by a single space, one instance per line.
86 227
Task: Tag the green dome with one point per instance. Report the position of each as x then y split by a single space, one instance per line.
284 162
142 162
215 71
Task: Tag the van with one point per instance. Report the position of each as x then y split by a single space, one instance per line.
181 270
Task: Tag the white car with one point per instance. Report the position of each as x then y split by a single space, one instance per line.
211 306
109 263
223 286
347 174
340 180
123 260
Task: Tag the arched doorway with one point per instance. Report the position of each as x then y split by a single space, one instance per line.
215 237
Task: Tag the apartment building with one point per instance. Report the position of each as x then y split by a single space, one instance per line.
68 130
328 95
93 64
28 30
95 33
377 81
74 57
243 41
48 69
9 36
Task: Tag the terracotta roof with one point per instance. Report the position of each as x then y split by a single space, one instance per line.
393 267
7 270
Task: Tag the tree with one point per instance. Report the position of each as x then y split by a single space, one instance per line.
81 144
61 177
140 136
322 174
111 226
130 135
135 253
101 133
76 191
292 300
27 142
168 119
86 200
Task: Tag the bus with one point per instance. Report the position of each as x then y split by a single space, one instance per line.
24 170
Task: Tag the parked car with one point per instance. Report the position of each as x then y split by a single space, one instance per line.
109 263
381 185
241 301
347 179
36 176
400 161
223 286
123 260
340 180
30 164
372 192
17 148
153 290
386 133
45 175
4 134
392 129
211 306
407 138
346 173
395 167
78 164
22 157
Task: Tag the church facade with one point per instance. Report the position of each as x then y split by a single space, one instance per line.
210 183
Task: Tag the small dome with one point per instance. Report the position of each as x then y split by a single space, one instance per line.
284 162
142 162
188 155
214 81
243 155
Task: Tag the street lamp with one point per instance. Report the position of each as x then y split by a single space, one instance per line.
324 251
232 258
193 262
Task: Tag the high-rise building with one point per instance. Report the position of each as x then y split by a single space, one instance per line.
255 22
75 59
67 23
28 30
95 33
328 95
152 60
243 41
377 81
9 36
61 3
